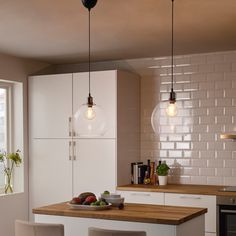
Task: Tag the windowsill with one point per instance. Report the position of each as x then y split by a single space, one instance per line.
2 194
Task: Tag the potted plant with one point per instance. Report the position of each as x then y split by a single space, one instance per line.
162 171
9 160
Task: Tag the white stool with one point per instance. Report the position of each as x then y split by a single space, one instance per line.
108 232
23 228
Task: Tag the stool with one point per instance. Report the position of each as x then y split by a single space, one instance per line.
108 232
24 228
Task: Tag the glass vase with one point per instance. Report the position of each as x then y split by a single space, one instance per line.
8 184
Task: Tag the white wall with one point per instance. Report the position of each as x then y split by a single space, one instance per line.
206 96
15 206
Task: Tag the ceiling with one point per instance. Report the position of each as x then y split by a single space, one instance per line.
57 31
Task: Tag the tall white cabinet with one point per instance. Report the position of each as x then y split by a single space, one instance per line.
61 164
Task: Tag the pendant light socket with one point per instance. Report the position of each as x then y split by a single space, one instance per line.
90 101
89 3
172 98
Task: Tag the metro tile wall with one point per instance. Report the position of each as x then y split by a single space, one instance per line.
206 97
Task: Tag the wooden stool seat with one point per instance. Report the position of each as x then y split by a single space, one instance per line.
24 228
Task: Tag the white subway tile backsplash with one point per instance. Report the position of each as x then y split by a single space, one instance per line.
215 76
215 146
198 179
230 163
219 93
206 100
183 145
215 163
167 145
223 67
230 93
230 76
198 59
224 154
224 172
229 181
230 57
175 154
207 171
205 68
224 102
215 58
207 154
214 180
224 119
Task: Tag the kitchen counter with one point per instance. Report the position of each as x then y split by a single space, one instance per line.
132 212
152 219
178 188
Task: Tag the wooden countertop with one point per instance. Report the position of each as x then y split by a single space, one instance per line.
144 213
178 188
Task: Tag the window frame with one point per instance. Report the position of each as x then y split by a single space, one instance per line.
9 119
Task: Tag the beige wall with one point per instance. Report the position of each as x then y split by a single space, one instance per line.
15 206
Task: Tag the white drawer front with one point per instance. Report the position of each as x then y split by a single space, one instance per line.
143 197
193 200
210 234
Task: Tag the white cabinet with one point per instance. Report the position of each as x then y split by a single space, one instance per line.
143 197
50 106
94 165
210 234
193 200
62 164
50 171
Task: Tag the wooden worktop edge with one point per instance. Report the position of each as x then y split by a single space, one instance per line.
178 188
134 215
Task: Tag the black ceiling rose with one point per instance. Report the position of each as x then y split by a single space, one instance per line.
89 3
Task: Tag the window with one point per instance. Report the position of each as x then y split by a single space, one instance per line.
4 125
12 129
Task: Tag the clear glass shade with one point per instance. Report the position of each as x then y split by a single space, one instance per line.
90 121
164 117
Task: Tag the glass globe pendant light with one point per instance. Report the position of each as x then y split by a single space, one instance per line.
90 120
171 108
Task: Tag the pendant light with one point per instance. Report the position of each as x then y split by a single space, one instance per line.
90 120
171 108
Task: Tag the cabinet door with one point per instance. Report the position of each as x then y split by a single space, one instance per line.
94 168
50 172
50 105
190 200
143 197
103 91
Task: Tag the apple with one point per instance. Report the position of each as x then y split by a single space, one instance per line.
76 200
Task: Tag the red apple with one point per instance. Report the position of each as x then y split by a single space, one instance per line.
76 200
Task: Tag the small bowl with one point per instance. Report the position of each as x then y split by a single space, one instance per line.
111 195
115 201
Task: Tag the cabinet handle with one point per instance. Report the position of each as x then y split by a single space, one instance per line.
70 126
190 197
70 143
74 150
228 211
141 194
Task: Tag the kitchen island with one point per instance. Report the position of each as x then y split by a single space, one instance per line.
155 220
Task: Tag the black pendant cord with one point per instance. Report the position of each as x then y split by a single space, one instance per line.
89 53
172 48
